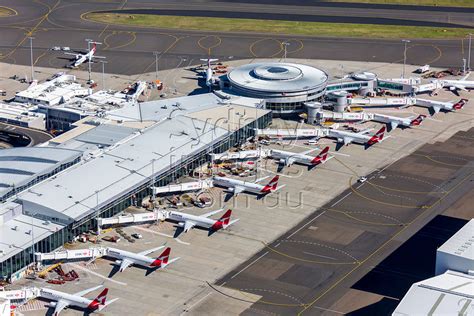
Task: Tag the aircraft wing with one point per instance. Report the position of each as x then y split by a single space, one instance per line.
365 131
436 108
84 292
98 56
188 225
238 190
212 213
125 264
146 252
72 54
393 125
308 151
261 179
60 305
345 140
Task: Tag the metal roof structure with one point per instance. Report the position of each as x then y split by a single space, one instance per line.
106 134
462 243
451 293
20 166
277 77
77 193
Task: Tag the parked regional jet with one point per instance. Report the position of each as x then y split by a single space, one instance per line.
394 121
345 138
61 300
188 221
82 58
436 106
127 258
209 73
287 158
234 186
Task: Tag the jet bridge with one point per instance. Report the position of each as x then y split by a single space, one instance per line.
94 252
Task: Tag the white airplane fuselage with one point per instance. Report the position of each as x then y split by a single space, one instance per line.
348 137
137 259
73 300
231 183
183 217
294 157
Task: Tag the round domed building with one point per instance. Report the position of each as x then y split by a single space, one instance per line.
286 87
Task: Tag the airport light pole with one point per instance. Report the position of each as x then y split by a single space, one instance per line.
89 41
285 45
469 53
156 63
31 58
103 62
405 56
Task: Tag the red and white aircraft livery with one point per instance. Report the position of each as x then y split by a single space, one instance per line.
287 158
82 58
62 300
236 187
209 73
346 138
188 221
439 105
127 258
394 121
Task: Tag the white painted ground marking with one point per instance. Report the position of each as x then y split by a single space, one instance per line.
313 254
97 274
305 225
162 234
337 202
248 265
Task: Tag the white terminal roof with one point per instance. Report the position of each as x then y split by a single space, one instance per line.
461 244
54 90
19 112
19 166
451 293
277 77
72 194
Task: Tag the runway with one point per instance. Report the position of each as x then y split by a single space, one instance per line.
325 265
130 50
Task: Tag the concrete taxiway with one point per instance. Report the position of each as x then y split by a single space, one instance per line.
129 50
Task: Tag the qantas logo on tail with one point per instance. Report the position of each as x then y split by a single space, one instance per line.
162 259
460 104
271 186
99 300
378 137
322 157
223 221
418 120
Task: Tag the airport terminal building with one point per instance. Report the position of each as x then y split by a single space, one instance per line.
285 87
102 166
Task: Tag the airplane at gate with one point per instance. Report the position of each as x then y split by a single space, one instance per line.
209 73
61 300
127 258
436 106
189 221
346 138
393 121
287 158
236 187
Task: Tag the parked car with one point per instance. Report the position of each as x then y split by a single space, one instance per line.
137 236
56 48
66 48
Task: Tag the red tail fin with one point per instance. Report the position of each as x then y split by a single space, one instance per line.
272 185
94 47
226 217
378 137
99 300
323 155
165 255
460 104
417 121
